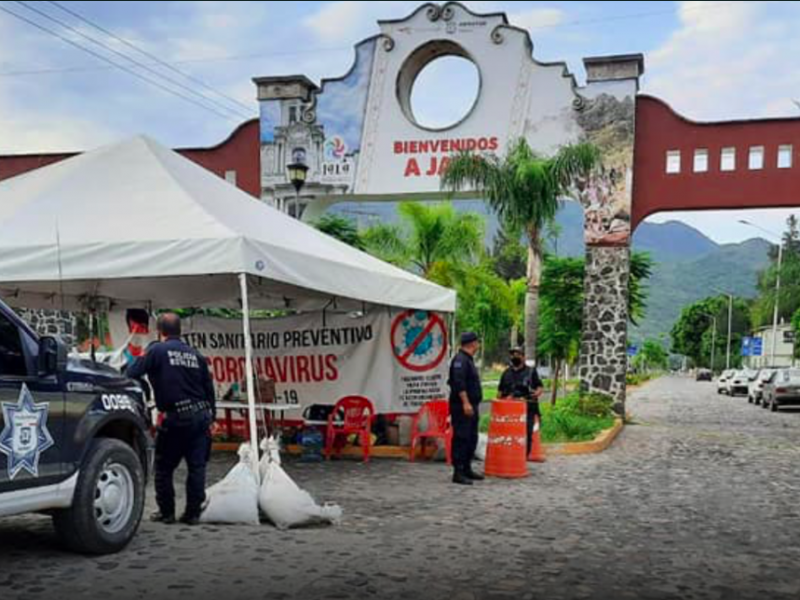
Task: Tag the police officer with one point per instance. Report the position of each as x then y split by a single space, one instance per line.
184 394
522 382
466 395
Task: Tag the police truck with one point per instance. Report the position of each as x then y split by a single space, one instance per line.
75 441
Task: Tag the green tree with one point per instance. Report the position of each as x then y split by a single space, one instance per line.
652 356
341 228
693 334
789 301
486 306
562 294
524 189
433 240
561 300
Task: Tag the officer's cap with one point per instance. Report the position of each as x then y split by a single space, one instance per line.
517 350
468 338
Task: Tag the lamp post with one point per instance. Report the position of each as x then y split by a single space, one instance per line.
730 326
713 339
298 175
777 287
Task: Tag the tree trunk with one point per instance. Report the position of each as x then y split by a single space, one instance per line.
514 339
534 278
556 380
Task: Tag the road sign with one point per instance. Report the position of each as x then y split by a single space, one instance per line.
752 346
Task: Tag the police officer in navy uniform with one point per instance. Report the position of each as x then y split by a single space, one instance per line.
184 394
466 394
522 382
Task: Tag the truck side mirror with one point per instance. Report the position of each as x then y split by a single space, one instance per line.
52 356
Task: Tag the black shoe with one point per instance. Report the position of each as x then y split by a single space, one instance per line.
475 476
160 518
190 520
461 479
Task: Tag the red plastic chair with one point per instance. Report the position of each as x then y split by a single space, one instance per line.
439 428
352 415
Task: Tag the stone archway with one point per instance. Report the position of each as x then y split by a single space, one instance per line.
363 143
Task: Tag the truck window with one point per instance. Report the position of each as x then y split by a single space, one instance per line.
12 357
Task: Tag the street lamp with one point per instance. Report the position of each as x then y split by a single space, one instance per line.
730 325
777 286
713 339
298 175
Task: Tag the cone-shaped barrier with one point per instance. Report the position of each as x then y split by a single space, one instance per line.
537 450
505 451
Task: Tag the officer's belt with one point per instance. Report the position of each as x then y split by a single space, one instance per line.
189 408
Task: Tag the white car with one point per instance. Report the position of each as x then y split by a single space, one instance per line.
739 383
755 393
722 382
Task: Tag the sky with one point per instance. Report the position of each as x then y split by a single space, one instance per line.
710 60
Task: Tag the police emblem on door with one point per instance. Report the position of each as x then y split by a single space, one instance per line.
25 436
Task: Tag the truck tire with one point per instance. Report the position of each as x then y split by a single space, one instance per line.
109 501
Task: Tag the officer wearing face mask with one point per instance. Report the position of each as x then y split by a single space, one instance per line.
522 382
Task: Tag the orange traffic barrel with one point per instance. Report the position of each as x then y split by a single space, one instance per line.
537 449
507 445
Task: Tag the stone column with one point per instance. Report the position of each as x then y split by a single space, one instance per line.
604 347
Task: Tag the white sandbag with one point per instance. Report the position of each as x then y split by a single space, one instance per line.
282 500
480 451
234 500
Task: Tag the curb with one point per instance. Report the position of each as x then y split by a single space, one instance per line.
600 444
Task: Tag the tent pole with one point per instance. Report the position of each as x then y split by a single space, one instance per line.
251 384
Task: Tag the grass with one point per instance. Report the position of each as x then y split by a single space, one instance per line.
575 418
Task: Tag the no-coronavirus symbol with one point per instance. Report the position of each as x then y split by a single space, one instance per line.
419 340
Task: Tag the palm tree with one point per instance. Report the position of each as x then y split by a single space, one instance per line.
525 190
432 240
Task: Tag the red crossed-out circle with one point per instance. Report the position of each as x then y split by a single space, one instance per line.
435 322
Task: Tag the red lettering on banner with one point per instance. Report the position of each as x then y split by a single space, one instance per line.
433 170
494 144
445 163
303 374
332 371
412 168
398 148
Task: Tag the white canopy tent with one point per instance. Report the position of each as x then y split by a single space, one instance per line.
138 225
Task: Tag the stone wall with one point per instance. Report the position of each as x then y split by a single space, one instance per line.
51 322
604 348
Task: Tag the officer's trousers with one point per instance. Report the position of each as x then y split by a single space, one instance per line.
176 442
465 436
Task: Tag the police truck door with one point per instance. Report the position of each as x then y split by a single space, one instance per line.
31 414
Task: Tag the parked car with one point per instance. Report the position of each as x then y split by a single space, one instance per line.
722 382
739 383
74 441
704 375
755 393
782 390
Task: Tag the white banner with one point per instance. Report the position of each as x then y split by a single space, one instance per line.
396 359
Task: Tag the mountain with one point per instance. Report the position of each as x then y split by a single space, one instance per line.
688 265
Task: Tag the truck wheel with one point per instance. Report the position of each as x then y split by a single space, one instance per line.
108 503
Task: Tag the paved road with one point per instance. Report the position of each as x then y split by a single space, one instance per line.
699 499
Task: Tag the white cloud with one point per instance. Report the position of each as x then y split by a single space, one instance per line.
729 60
538 18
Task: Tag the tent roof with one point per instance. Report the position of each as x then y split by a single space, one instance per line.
139 225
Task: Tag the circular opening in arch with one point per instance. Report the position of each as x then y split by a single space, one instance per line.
439 86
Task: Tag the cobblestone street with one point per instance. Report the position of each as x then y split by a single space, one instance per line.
700 498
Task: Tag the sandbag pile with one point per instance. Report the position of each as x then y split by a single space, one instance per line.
234 500
282 501
237 499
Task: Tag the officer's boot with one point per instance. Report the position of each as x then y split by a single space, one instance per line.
461 478
159 517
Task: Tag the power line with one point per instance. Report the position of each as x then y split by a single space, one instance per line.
133 61
125 68
324 50
149 55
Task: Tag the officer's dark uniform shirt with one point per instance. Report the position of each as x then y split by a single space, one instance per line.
179 376
464 377
520 383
